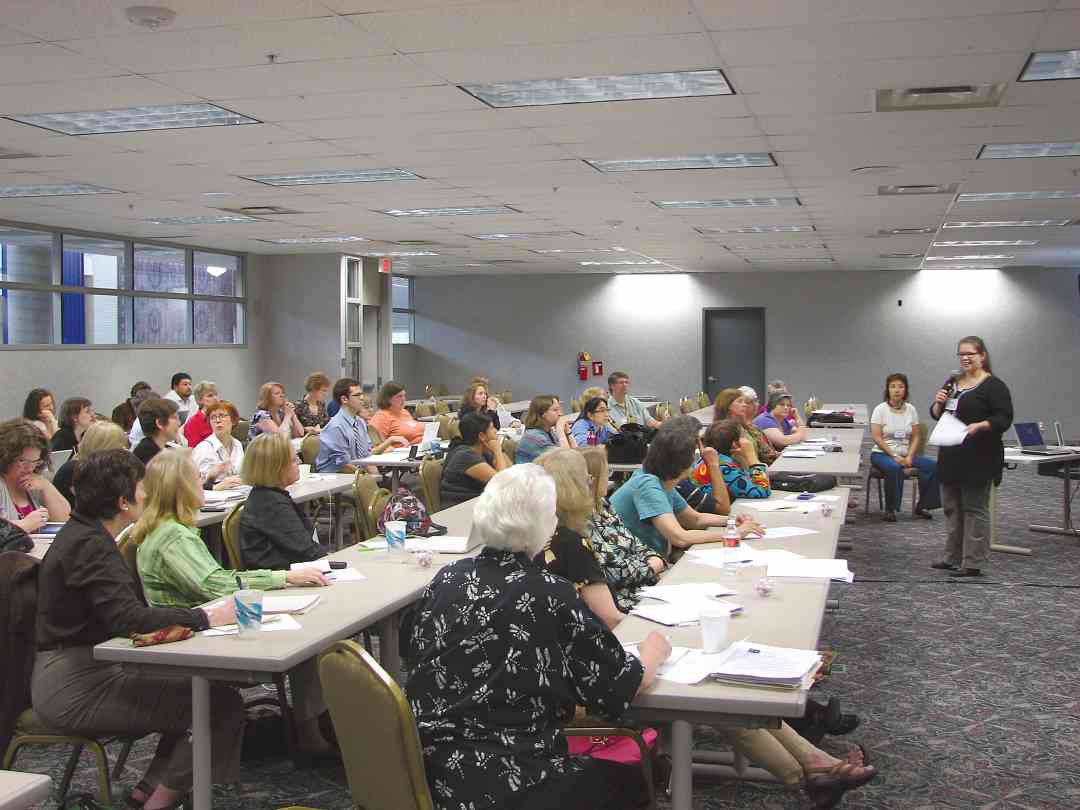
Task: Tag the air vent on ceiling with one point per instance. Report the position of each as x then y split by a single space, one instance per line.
945 97
919 188
262 210
12 154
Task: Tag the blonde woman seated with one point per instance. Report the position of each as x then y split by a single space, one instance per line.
569 553
274 413
99 436
220 455
627 563
177 570
545 427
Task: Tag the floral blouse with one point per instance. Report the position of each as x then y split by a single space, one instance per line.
766 452
623 558
499 652
309 419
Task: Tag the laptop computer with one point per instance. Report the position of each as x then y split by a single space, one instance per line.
1031 440
431 434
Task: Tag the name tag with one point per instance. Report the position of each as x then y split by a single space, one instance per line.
950 405
900 434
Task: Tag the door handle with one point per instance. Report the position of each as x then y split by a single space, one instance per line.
711 379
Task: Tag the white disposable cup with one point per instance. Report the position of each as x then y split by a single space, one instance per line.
249 605
714 628
305 471
395 536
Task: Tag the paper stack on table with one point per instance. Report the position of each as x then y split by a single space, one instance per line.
269 624
811 569
682 604
797 452
349 574
289 604
226 495
742 663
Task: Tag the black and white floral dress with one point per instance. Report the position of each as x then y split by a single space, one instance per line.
499 652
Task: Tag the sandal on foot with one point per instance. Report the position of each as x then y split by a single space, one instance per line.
858 756
183 801
129 797
826 786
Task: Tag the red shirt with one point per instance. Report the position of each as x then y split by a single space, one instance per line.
196 428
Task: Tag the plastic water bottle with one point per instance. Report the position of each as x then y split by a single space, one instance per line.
731 534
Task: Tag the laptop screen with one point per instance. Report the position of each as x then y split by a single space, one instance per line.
1028 433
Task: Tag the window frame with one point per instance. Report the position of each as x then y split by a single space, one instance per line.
57 288
410 311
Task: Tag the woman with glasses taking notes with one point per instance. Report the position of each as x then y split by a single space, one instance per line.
967 471
26 498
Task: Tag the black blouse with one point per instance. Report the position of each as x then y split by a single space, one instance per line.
981 457
64 439
570 555
275 532
86 594
490 414
499 652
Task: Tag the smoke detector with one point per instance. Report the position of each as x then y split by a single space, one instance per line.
151 17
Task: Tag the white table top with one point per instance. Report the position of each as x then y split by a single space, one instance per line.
1013 455
846 462
316 485
22 790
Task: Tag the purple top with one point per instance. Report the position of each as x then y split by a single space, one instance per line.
767 420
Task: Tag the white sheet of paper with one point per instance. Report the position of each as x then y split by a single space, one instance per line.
949 432
771 555
812 569
767 506
345 575
803 453
321 564
777 532
270 624
681 613
721 556
687 591
289 604
374 544
391 457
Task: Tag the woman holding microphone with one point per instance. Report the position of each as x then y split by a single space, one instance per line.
967 471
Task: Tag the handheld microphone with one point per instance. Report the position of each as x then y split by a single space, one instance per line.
950 384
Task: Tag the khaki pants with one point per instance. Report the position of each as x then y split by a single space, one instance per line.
967 523
74 693
781 751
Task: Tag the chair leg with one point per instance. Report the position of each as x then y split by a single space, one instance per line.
880 495
121 761
69 771
291 734
104 785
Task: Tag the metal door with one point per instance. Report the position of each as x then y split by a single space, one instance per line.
733 349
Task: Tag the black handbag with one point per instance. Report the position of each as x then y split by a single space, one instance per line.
835 418
13 538
801 482
630 444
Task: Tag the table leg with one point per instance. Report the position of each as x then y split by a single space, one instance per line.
337 528
389 645
994 545
682 778
1067 528
200 742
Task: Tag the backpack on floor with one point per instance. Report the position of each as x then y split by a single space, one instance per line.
405 506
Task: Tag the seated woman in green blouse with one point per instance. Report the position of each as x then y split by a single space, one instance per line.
177 570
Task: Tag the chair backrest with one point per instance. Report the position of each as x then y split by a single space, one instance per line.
430 482
449 428
918 437
509 448
425 409
703 400
374 434
309 449
441 407
811 405
365 487
443 391
385 768
686 405
19 575
240 432
662 410
376 508
230 538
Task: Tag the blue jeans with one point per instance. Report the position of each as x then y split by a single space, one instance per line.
929 490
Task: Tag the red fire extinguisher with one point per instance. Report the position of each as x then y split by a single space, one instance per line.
583 365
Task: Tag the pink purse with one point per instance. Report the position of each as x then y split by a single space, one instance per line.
623 750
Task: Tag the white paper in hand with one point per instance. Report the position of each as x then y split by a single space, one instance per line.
949 432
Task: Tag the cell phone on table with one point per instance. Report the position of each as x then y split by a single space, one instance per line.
337 565
412 452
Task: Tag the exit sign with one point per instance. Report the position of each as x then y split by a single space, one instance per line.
384 264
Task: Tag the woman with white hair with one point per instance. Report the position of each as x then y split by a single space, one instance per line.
500 651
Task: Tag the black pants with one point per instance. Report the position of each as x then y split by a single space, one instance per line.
602 785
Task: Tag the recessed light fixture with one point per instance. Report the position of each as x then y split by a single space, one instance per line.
136 119
875 170
533 235
215 271
1000 196
580 250
63 190
942 97
1006 151
734 202
332 176
620 263
900 255
583 89
905 231
1046 65
399 254
716 160
970 257
922 188
1006 223
490 210
219 193
313 240
988 243
758 229
201 220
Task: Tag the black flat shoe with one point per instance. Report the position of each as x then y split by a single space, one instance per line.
944 566
966 572
924 514
845 725
889 517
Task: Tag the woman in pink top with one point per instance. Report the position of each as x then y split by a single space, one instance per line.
392 418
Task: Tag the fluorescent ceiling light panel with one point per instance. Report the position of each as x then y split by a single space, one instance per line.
900 255
1046 65
314 240
758 229
64 190
905 231
1001 196
580 250
718 160
988 243
583 89
918 188
734 202
970 257
942 97
1006 151
201 220
332 176
215 271
490 210
620 263
136 119
1006 223
399 254
787 259
535 234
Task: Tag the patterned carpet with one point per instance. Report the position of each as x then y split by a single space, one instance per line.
969 692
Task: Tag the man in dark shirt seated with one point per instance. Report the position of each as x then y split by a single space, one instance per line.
160 423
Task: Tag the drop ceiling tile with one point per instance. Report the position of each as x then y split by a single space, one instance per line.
644 112
376 103
723 14
382 125
1061 33
41 62
87 94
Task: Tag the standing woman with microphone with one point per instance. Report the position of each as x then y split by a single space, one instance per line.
967 471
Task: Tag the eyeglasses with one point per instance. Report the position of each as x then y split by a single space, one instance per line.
35 464
968 354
